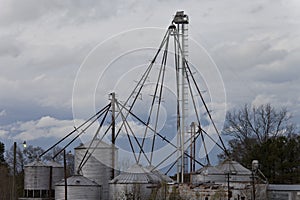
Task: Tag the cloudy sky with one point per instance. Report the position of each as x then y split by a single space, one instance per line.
255 46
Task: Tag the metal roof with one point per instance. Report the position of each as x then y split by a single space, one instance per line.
77 180
37 163
283 187
136 174
96 144
231 166
52 163
161 175
209 170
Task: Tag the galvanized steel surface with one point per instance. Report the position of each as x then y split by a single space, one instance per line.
208 174
36 176
57 172
163 177
231 166
235 171
77 180
137 182
97 168
229 169
78 188
136 174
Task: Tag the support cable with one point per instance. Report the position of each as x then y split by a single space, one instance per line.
130 142
142 81
198 133
158 134
135 138
152 103
164 62
75 130
94 138
202 99
80 133
197 114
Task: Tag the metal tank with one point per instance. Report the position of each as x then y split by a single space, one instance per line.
36 179
57 172
236 172
135 183
78 188
98 166
208 174
163 178
166 183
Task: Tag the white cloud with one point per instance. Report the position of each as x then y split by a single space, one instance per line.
42 44
45 127
3 134
3 113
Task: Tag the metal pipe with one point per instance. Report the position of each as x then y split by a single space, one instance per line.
14 175
65 176
228 187
50 183
253 185
113 133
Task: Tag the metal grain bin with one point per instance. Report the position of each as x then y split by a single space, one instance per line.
207 174
98 167
36 179
78 188
136 183
237 172
57 172
162 176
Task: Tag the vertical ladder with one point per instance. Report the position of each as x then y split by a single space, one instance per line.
181 20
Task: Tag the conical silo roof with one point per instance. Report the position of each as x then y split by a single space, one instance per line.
97 143
136 174
231 166
209 170
161 175
77 180
36 163
52 163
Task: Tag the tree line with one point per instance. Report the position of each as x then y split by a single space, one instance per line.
24 156
266 134
262 133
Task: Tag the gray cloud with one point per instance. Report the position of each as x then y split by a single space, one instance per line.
9 46
255 45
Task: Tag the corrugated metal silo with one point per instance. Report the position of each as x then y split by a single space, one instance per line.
78 188
98 167
162 176
208 174
136 183
36 179
57 172
237 172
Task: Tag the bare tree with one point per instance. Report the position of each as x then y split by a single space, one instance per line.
259 132
5 180
21 159
258 123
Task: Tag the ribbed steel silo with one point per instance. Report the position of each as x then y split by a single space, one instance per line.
57 172
237 172
207 174
162 176
98 166
78 188
36 179
136 183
